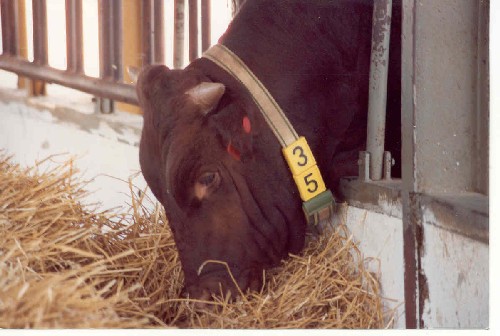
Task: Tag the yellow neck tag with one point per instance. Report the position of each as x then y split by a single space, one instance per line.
304 169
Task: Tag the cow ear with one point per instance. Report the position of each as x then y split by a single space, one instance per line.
150 92
152 84
206 95
133 73
234 127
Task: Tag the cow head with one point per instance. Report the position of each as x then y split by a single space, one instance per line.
213 163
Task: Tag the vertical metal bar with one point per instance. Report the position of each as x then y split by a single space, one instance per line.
10 26
117 40
152 32
110 46
110 39
193 30
482 116
408 133
104 39
74 36
179 32
147 32
377 100
205 25
40 44
104 105
40 32
22 82
159 32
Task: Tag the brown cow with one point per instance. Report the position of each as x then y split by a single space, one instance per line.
213 162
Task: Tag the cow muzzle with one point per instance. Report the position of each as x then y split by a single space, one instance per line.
222 283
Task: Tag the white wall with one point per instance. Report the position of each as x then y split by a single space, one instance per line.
457 274
104 146
380 237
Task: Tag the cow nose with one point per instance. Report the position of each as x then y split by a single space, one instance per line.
201 293
202 302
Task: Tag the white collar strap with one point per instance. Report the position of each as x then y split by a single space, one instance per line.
279 123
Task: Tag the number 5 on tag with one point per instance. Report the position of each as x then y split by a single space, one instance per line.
310 183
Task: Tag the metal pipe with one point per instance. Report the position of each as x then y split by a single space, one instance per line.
74 35
152 32
104 40
377 100
117 39
99 87
205 25
147 32
40 32
10 35
193 30
159 32
179 32
110 39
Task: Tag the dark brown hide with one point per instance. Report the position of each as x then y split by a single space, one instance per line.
218 169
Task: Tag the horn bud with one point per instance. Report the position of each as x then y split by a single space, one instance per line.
206 95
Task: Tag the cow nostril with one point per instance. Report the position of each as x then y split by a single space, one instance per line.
203 301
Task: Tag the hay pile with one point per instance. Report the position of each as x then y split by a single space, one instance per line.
64 265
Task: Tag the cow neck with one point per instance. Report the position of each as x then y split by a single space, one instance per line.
272 112
317 199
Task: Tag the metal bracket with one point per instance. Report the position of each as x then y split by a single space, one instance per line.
319 208
388 163
364 166
103 105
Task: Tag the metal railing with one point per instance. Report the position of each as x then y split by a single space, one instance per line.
110 83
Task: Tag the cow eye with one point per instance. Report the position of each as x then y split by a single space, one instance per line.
208 179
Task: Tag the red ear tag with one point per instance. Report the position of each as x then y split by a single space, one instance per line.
247 126
234 152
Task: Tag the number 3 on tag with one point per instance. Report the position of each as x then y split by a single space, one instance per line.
299 157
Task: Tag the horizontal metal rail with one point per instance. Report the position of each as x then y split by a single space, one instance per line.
99 87
110 85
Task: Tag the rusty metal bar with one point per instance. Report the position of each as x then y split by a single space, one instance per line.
116 18
10 35
110 47
22 82
179 32
152 32
74 36
159 32
205 25
96 86
104 40
110 39
193 30
40 32
147 32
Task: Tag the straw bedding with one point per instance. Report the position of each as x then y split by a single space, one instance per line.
65 265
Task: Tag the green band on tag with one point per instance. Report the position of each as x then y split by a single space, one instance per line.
319 208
